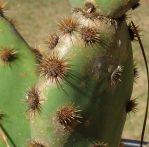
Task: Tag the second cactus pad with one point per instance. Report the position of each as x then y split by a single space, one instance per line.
17 74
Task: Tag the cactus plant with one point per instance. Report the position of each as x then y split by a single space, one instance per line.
83 92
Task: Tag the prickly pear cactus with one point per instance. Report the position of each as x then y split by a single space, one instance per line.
17 73
83 93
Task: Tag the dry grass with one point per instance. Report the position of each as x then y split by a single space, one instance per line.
36 18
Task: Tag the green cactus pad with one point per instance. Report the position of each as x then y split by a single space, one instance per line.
88 79
17 74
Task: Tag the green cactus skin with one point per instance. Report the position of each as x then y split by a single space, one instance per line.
87 105
17 74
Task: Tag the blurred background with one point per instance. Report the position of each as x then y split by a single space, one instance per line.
35 19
